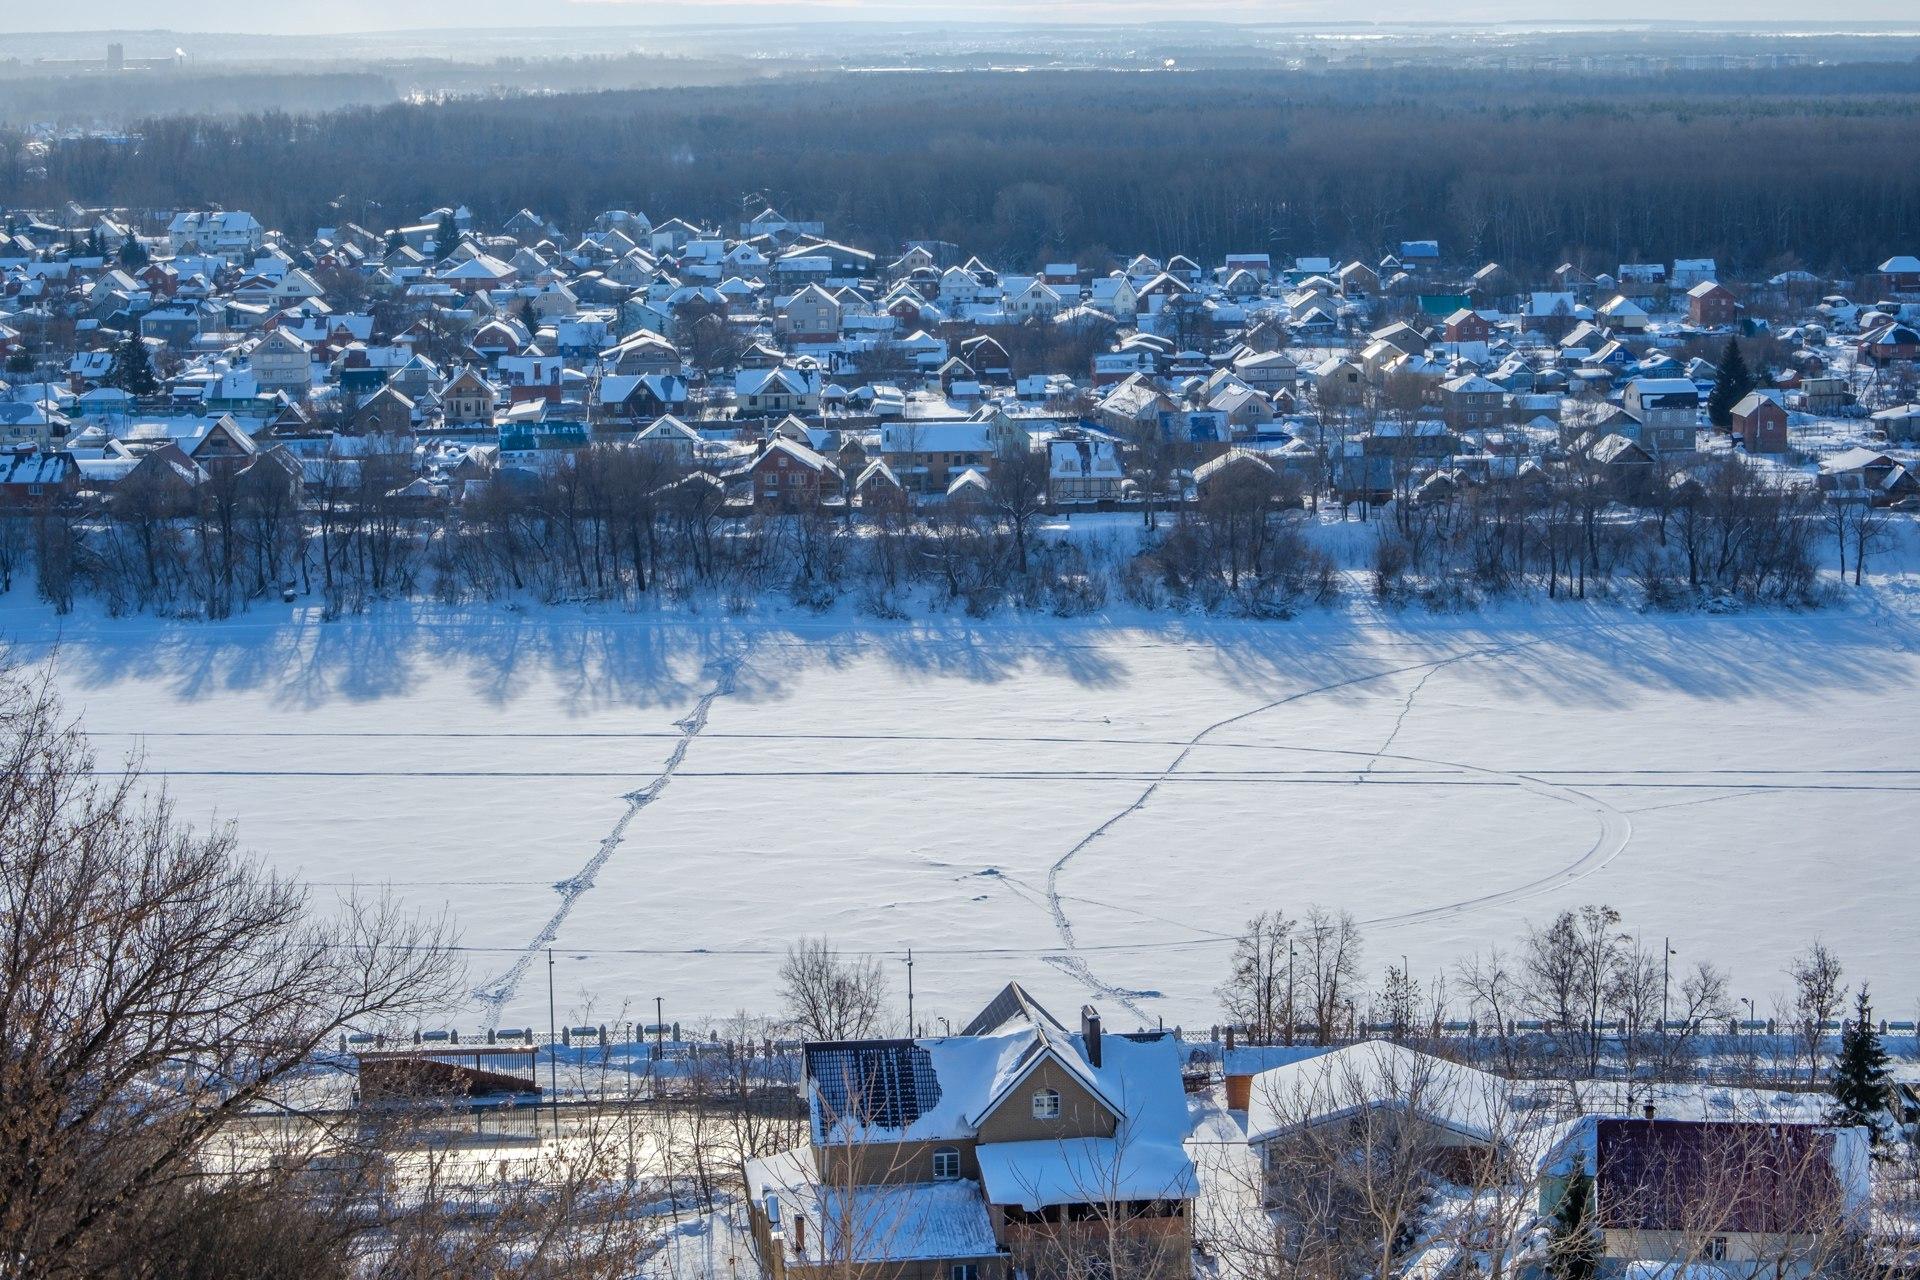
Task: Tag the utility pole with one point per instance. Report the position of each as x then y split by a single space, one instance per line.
659 1026
1666 972
909 993
1292 951
1261 986
553 1049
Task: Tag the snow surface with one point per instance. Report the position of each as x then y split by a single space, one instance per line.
1091 807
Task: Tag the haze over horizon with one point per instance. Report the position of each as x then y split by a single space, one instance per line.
403 15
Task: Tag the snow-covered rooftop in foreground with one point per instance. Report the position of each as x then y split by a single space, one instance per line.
1742 783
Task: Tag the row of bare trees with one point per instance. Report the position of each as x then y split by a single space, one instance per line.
1580 528
1577 998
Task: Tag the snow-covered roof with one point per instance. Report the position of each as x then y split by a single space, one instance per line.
1375 1075
884 1223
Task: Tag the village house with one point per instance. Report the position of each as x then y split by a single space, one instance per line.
1471 402
468 398
925 456
789 476
1735 1197
1711 305
1667 412
1759 423
1015 1147
1084 471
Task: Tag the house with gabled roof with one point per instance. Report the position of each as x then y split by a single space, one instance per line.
1012 1148
790 476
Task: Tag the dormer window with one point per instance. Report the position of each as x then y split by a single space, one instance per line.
1046 1104
946 1164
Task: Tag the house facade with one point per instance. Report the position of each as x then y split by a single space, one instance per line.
1016 1147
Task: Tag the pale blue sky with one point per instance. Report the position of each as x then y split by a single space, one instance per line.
283 16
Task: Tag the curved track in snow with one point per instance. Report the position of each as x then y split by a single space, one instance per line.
1616 829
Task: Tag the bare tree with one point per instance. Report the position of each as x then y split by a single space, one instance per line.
829 996
154 985
1258 992
1568 966
1330 952
1818 997
1017 492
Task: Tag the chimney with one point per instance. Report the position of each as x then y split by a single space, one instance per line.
1647 1111
1090 1032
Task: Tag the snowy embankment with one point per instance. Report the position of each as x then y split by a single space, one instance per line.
1093 805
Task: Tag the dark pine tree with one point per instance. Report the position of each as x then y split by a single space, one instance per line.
1573 1249
1859 1082
447 238
529 317
1734 383
133 254
132 371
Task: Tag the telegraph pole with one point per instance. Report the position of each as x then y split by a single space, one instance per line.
1666 972
909 993
553 1049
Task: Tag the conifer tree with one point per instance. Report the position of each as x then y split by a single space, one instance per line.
447 237
1732 387
132 371
1859 1082
1572 1248
132 252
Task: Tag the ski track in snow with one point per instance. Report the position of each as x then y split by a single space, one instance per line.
494 996
1616 828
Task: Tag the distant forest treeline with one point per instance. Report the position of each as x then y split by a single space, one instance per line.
1816 167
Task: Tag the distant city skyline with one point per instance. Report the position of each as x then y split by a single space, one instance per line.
400 15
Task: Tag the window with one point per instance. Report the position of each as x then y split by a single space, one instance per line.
1046 1104
1716 1250
964 1271
946 1164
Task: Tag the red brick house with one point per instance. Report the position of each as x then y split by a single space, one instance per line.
1466 325
1902 273
1760 423
788 476
1711 305
1891 342
31 480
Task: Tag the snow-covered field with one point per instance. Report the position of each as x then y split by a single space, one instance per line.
1090 807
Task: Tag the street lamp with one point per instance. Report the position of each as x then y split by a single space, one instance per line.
1748 1001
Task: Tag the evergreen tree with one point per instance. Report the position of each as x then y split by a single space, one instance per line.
20 361
1859 1083
1732 387
1573 1251
133 254
395 241
132 371
529 317
447 238
96 247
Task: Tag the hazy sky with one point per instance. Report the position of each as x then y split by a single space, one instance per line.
286 16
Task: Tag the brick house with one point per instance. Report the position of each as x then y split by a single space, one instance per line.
1466 325
1760 423
1711 305
788 476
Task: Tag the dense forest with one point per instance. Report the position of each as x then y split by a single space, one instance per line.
1811 166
